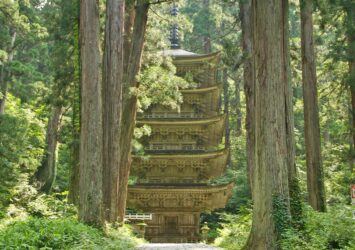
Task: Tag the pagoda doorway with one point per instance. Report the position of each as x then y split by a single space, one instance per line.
171 224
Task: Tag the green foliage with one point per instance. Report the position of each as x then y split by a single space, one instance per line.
296 204
44 233
280 213
331 230
21 143
235 232
160 85
322 231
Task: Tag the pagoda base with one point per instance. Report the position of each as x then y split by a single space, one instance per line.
173 227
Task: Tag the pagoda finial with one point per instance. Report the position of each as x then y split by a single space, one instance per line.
174 33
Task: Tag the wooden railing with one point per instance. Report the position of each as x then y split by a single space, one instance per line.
167 147
172 115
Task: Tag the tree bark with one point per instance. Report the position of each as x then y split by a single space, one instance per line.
249 89
130 101
315 184
73 195
46 173
112 105
271 211
350 21
130 14
226 112
238 111
90 171
5 74
207 37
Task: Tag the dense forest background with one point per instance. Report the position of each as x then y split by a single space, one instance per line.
40 118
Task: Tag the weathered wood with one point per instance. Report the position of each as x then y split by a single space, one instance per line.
270 173
315 183
112 105
90 172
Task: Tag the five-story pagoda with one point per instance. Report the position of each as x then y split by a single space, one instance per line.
182 154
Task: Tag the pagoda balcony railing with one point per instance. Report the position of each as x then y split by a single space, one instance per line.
172 115
174 147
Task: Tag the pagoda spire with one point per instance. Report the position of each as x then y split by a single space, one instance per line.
174 32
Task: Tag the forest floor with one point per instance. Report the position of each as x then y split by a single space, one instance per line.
173 246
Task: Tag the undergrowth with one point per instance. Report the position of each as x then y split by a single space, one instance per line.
322 231
63 233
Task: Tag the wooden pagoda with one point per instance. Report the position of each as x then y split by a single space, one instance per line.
184 151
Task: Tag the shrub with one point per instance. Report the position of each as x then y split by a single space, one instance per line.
44 233
235 232
322 231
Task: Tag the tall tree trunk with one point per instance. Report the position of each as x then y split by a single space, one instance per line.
249 89
112 105
315 184
350 21
270 174
130 101
296 207
207 37
90 171
130 14
238 111
226 112
46 173
5 74
73 195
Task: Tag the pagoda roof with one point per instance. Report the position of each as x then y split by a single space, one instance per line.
201 90
180 54
178 198
176 122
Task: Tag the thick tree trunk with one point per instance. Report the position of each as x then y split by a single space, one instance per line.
112 105
270 173
245 17
130 101
315 184
90 183
226 112
46 173
5 74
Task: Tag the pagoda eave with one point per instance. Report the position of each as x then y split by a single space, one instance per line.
212 88
176 198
